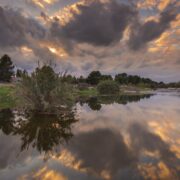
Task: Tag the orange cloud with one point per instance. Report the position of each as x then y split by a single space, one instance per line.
150 4
43 3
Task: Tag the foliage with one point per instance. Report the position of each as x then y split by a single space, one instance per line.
106 77
44 90
69 79
94 78
6 69
108 87
125 79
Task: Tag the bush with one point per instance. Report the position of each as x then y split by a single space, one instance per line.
108 87
44 91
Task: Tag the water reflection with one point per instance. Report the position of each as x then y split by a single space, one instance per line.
7 121
102 152
41 131
110 141
106 154
95 102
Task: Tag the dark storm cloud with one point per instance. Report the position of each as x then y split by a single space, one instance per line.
98 23
141 34
15 29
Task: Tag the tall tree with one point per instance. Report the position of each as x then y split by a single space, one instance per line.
6 68
94 77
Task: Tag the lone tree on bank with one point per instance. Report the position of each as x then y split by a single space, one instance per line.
6 68
94 78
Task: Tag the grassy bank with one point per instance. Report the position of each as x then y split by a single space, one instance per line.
6 96
87 92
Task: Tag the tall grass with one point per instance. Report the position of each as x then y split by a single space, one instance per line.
44 91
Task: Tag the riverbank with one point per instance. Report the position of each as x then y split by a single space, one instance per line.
7 93
7 96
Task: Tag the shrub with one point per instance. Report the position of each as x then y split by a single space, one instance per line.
44 91
108 87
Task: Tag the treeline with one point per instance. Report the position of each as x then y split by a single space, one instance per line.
94 78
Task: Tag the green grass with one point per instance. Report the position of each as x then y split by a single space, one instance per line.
6 97
87 92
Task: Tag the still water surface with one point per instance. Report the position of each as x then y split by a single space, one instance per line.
122 138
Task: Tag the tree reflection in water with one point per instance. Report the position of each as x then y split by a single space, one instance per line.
7 121
41 131
95 103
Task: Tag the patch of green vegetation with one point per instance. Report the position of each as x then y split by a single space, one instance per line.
87 92
108 87
6 97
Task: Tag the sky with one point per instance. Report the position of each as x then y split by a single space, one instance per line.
139 37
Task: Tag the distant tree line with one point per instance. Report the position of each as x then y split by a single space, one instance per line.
94 77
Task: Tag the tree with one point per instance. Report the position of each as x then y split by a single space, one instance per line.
6 68
81 79
94 78
121 78
106 77
20 73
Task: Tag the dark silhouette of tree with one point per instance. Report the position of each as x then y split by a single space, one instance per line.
121 78
81 79
106 77
94 77
6 68
20 73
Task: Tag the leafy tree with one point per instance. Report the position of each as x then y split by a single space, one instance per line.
6 68
106 77
18 73
94 78
108 87
81 79
121 78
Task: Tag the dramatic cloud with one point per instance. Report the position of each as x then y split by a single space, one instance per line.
95 22
85 35
16 30
150 30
